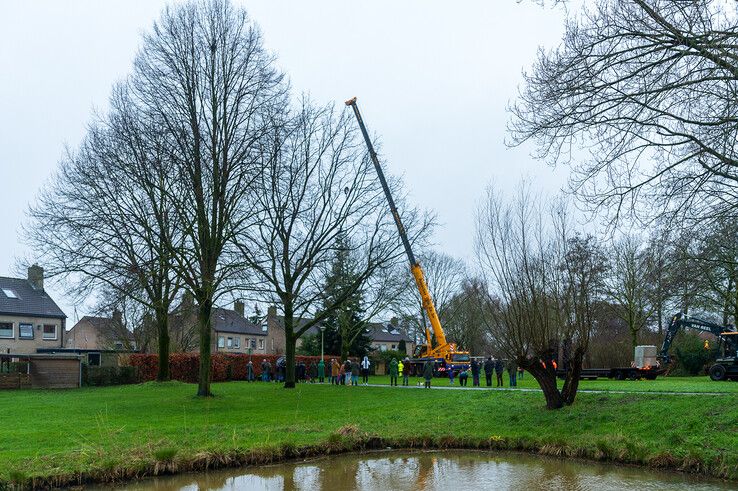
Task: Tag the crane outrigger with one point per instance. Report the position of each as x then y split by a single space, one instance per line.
443 352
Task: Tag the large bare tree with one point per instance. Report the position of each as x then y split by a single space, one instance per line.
318 184
543 284
203 74
104 222
640 100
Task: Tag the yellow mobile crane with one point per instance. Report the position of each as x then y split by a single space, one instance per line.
444 352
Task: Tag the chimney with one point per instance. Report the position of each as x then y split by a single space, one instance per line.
272 311
238 307
118 317
36 277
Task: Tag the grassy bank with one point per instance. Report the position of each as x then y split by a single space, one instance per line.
115 432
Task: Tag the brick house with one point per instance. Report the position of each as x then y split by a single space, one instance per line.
29 317
100 333
233 333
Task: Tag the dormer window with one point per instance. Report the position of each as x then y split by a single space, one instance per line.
263 328
9 293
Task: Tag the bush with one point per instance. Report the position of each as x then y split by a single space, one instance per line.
185 367
102 376
691 354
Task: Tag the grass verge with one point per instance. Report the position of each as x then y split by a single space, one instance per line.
105 434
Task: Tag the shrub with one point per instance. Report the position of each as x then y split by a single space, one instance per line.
185 367
102 376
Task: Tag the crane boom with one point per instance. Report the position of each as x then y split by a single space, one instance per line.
415 268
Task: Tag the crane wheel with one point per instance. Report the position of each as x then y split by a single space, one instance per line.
717 372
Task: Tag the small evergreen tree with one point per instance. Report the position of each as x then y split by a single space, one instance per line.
345 331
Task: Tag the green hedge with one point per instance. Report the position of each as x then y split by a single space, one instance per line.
101 376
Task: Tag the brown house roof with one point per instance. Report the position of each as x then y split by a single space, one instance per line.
106 326
226 320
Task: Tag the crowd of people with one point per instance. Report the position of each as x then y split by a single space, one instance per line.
349 371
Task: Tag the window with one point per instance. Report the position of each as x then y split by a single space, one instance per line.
93 359
382 347
118 345
253 343
263 328
9 293
230 343
25 331
236 342
394 346
261 344
50 331
221 342
6 330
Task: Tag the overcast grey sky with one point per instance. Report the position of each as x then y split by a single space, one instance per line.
433 80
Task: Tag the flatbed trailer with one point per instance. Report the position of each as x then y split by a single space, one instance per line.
617 373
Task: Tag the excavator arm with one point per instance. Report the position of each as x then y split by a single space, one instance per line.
682 320
416 270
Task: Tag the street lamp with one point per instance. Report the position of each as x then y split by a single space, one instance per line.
322 330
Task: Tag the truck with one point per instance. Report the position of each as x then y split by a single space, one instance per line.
725 366
442 353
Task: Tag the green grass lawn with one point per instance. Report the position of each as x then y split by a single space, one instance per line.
661 384
97 430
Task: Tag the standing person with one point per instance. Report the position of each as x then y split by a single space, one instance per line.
355 372
249 372
393 370
347 372
499 368
475 373
321 371
489 368
428 373
463 377
400 367
406 372
450 376
313 372
520 372
365 364
267 373
512 371
300 371
263 370
335 371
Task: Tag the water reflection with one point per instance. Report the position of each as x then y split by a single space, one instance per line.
432 471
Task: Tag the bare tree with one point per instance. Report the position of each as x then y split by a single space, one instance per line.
464 317
104 221
317 185
204 76
543 283
627 285
649 89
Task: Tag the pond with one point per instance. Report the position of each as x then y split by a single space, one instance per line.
436 470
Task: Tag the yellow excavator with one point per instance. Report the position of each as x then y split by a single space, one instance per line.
444 354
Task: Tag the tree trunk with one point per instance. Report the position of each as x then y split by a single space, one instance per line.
162 327
203 322
546 378
345 347
571 384
289 374
289 335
